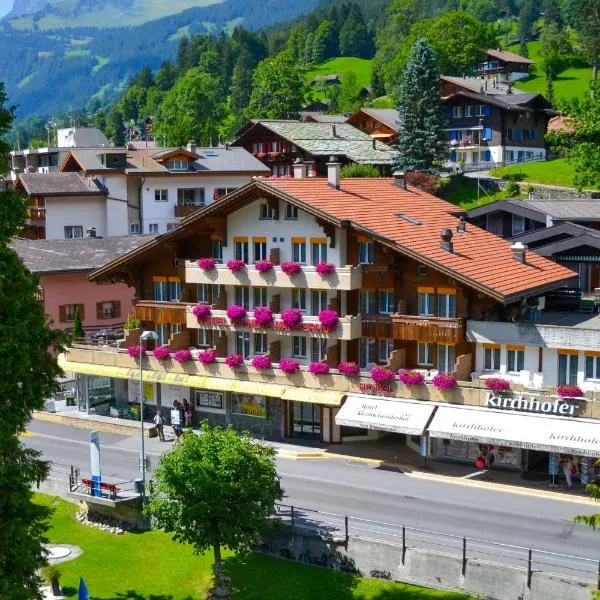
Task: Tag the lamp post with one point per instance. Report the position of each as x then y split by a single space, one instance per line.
144 338
479 156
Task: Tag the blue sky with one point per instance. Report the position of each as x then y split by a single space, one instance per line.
5 7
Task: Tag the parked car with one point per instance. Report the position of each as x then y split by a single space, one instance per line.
108 335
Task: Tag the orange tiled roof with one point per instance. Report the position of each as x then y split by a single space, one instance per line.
478 257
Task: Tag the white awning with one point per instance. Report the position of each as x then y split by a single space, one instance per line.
385 414
506 428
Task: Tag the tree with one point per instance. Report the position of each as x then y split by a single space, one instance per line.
117 128
527 17
78 331
322 42
132 102
100 120
420 114
166 76
27 378
356 170
587 22
554 44
553 14
143 78
354 36
241 82
217 489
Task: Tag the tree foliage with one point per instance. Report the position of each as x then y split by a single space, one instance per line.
217 489
78 331
357 170
587 23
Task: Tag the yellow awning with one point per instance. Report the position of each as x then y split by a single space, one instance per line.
324 397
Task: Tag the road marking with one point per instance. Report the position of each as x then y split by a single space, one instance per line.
27 434
476 474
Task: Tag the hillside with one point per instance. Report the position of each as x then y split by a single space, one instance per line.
361 67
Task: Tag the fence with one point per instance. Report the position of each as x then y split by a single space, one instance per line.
332 525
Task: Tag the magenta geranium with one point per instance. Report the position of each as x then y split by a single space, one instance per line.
263 266
329 318
207 263
289 365
497 384
235 265
135 351
162 352
234 360
444 381
291 268
409 377
182 356
569 391
201 311
325 268
206 357
381 375
261 362
263 315
350 369
291 317
236 311
318 368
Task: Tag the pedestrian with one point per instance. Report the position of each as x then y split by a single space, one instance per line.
567 466
160 423
187 413
176 419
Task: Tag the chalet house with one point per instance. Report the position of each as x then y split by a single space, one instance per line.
380 123
504 66
278 144
326 80
305 287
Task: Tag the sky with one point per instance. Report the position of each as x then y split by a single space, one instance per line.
5 7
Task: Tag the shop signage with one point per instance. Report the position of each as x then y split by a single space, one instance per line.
375 388
254 324
523 403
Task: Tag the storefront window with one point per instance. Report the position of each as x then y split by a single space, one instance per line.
209 400
306 420
249 405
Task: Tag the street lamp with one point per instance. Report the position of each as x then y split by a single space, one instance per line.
144 338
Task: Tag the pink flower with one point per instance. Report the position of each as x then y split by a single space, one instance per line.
182 356
444 381
201 312
409 377
325 268
236 312
329 318
234 360
381 375
135 351
235 265
206 357
162 352
289 365
263 266
263 315
497 384
569 391
291 268
291 317
349 369
207 264
261 362
318 368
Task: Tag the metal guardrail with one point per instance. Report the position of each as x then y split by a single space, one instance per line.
533 560
116 490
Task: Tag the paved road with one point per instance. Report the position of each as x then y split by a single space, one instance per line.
372 494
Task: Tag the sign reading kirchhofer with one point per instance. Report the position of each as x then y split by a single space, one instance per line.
530 403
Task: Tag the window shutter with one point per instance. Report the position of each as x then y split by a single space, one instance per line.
488 155
99 311
62 314
117 305
453 156
449 112
487 133
82 312
487 111
454 135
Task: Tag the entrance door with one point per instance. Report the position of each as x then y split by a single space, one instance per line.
305 420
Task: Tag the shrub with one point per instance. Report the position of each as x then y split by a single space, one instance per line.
291 268
263 266
201 312
349 369
381 375
329 318
132 323
423 181
135 351
325 268
162 352
318 368
289 365
182 356
235 265
236 311
444 381
291 317
355 170
207 263
207 357
263 315
569 391
261 362
234 360
410 377
512 189
497 384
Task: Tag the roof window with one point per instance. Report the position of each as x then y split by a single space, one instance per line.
409 219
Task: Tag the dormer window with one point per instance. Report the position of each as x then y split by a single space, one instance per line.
178 165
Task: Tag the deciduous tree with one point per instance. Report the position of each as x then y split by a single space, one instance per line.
587 21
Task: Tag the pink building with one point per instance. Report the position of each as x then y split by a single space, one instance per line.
63 267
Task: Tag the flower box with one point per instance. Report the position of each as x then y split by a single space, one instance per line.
291 317
329 318
444 381
236 312
207 357
162 352
235 265
291 268
234 360
409 377
207 264
382 375
349 369
569 391
263 315
182 356
201 312
135 351
289 365
497 384
318 368
325 269
263 266
261 363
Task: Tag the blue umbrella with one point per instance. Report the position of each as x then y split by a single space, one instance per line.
83 593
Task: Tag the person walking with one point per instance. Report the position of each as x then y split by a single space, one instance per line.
187 413
176 419
159 421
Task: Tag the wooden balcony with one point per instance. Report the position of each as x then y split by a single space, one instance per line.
36 213
376 327
428 329
161 312
185 210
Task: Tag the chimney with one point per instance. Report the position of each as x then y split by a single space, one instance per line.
374 144
446 237
333 173
519 252
191 146
299 169
400 179
461 226
333 131
91 233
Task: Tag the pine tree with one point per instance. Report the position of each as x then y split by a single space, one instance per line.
117 126
420 113
241 82
78 331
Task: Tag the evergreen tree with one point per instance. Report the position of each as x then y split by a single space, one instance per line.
307 56
354 36
587 20
552 13
100 120
117 128
420 114
323 47
166 76
143 78
27 378
241 82
78 332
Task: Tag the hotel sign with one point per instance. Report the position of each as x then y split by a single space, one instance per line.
525 403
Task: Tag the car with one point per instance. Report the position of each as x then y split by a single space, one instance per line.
107 335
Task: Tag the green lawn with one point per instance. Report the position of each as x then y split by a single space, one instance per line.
463 193
361 67
150 566
551 172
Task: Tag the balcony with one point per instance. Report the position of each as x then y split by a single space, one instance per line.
35 213
185 210
377 327
428 329
349 328
344 278
161 312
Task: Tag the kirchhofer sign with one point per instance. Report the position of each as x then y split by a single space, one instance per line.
533 404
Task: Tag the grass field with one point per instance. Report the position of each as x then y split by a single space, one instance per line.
573 80
361 67
551 172
150 566
463 193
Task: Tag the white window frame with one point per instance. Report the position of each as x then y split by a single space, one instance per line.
367 352
319 301
241 296
595 371
153 228
457 112
445 308
202 338
318 252
259 250
260 296
73 232
318 350
202 292
163 286
299 346
446 358
516 230
108 309
265 212
161 195
178 165
428 309
366 253
387 302
241 251
291 212
261 343
299 252
491 359
135 228
386 347
425 354
162 331
242 344
299 298
515 356
367 302
217 250
216 401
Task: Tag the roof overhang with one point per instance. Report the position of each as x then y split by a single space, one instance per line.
518 208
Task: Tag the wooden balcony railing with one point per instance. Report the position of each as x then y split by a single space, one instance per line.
160 312
378 327
184 210
36 213
428 329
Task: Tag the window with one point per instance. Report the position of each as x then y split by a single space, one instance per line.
446 304
592 366
178 165
426 304
161 290
260 248
266 212
319 251
249 405
446 358
387 302
220 192
299 346
68 311
260 296
318 349
161 195
176 328
299 250
242 344
491 358
367 356
171 226
135 228
242 296
153 228
386 347
318 301
518 224
191 197
291 212
175 290
481 110
367 302
457 112
261 345
108 310
425 354
217 250
162 330
469 111
202 292
240 249
73 232
299 299
366 252
209 400
203 339
567 368
515 359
